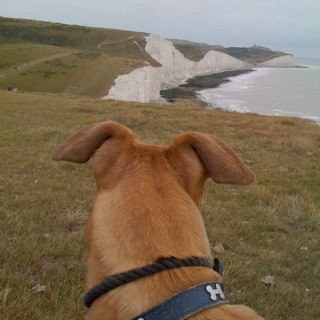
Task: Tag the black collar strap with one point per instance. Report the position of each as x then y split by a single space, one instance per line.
120 279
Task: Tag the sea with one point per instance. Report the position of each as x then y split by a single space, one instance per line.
290 92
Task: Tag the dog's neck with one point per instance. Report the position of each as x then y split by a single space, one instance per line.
148 230
153 227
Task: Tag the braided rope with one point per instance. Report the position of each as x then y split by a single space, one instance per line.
120 279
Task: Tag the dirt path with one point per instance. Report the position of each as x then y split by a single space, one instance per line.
138 45
112 42
12 71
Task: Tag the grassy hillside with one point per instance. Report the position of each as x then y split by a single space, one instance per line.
70 36
269 228
69 71
256 54
51 57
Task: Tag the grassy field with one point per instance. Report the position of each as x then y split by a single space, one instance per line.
269 228
54 69
76 72
13 55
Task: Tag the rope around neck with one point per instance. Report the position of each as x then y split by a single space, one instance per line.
120 279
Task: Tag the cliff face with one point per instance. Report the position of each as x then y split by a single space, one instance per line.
280 62
215 61
144 84
176 68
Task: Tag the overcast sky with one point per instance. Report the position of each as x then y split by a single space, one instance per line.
288 25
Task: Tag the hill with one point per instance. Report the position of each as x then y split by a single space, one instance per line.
120 43
253 55
52 57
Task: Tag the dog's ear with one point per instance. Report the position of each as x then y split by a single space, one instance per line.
81 146
219 160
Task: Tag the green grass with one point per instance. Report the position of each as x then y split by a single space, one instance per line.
45 204
109 41
191 52
81 72
57 34
253 54
12 55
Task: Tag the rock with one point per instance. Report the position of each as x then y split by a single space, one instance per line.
38 288
235 294
218 248
4 295
268 280
270 240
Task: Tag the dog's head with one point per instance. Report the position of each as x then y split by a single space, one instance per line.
190 159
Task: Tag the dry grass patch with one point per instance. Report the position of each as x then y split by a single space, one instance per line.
269 228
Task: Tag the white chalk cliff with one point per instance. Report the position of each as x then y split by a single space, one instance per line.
144 84
285 61
176 67
141 84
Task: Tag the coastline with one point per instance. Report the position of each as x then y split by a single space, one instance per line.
283 92
243 93
190 88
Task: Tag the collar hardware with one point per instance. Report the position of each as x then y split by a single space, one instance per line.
215 292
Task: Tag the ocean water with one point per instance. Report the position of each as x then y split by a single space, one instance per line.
293 92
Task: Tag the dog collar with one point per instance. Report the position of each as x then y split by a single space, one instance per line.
187 303
120 279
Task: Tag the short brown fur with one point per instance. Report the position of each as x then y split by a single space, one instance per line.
145 209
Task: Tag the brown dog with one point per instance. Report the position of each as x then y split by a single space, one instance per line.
146 209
